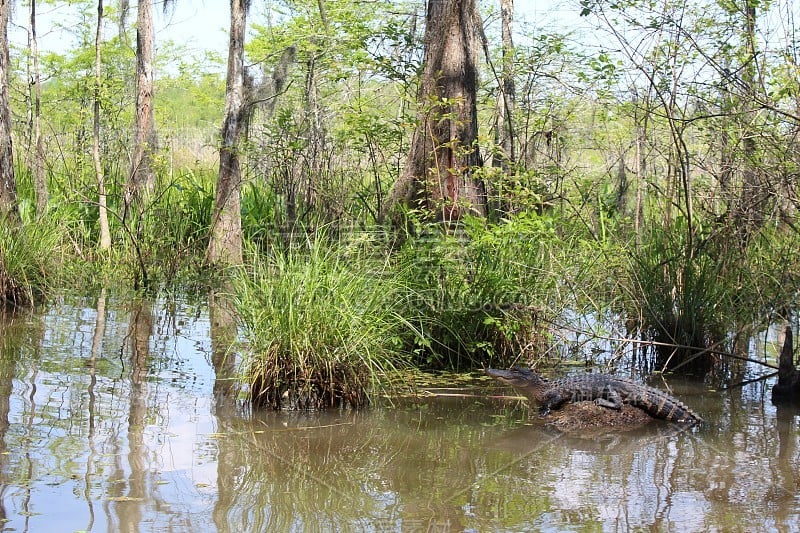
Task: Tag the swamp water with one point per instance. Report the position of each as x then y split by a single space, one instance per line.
117 416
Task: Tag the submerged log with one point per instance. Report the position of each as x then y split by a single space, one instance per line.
787 390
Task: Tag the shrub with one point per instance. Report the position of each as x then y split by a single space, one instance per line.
476 298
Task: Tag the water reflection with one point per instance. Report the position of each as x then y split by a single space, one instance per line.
123 414
130 487
91 364
223 334
7 374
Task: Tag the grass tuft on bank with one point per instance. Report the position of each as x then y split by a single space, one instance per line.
322 325
29 253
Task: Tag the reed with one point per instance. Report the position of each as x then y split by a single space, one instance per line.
322 325
29 255
690 292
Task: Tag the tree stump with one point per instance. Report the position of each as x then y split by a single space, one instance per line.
787 390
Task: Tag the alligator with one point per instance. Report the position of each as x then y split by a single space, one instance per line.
603 389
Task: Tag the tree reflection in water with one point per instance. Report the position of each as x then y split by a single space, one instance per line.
131 406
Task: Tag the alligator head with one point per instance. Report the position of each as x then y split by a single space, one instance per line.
516 376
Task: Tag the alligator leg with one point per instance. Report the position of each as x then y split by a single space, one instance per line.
610 398
552 400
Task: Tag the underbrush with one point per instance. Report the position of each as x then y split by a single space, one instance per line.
30 254
328 320
700 293
479 297
322 324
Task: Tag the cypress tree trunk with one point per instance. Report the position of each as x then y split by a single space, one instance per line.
444 151
141 177
225 243
787 389
8 183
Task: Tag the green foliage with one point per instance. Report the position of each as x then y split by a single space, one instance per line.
259 215
68 90
477 299
172 231
161 239
691 293
340 40
186 208
322 324
189 101
668 107
682 297
327 139
191 92
29 256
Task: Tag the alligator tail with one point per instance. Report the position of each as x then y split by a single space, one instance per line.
667 408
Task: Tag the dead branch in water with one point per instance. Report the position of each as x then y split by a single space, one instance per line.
699 351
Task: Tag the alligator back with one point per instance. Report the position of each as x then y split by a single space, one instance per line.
614 391
608 391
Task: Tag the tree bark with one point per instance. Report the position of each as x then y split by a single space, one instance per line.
225 243
141 178
8 183
316 136
739 177
105 232
787 389
39 177
444 151
752 197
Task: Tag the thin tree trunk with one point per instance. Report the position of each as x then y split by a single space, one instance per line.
39 178
225 243
444 149
506 101
141 178
504 152
105 232
641 175
752 195
8 183
316 136
622 186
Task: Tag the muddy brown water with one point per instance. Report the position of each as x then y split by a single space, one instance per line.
120 417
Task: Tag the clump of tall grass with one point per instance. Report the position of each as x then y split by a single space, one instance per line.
322 325
690 291
478 298
258 216
186 207
29 254
173 231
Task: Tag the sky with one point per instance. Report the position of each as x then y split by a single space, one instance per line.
205 22
202 24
